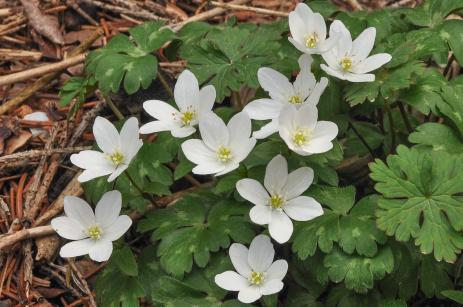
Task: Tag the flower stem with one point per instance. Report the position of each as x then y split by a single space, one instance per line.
364 142
405 116
114 108
391 126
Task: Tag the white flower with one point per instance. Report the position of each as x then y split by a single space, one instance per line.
222 147
257 273
118 150
308 30
191 101
38 116
302 132
281 198
349 60
92 233
304 90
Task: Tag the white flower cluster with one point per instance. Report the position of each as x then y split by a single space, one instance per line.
292 111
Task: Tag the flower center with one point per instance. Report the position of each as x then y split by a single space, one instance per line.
295 99
276 201
187 117
95 232
257 278
224 154
346 64
311 41
301 136
117 158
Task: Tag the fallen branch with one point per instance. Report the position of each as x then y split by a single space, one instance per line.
249 8
41 70
9 239
31 154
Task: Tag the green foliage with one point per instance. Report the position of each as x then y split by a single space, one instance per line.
420 200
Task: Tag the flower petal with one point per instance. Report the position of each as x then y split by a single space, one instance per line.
117 229
79 210
93 160
106 135
363 44
210 168
303 208
130 142
348 76
277 270
261 253
228 168
316 24
276 173
297 27
186 90
157 126
306 116
263 109
68 228
325 130
119 170
298 182
213 130
249 294
92 174
231 281
280 227
77 248
304 83
371 63
242 149
316 93
253 191
197 152
316 146
239 258
206 98
101 250
267 129
239 129
338 27
261 215
160 110
275 83
271 287
108 208
182 132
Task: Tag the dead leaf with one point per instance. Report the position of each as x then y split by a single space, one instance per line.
46 25
50 292
48 49
8 126
47 247
80 36
16 142
174 10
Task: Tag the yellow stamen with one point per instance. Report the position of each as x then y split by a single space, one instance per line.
257 278
117 158
95 232
346 64
311 41
301 136
224 154
295 100
276 201
187 117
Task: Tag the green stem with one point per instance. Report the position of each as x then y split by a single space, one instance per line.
391 126
114 108
405 116
364 142
165 84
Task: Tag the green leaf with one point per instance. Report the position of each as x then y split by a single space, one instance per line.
138 75
452 33
125 261
358 273
454 295
183 168
437 137
419 199
369 132
434 276
452 106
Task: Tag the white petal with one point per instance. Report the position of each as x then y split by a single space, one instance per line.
78 210
277 270
160 110
271 287
186 90
303 10
108 208
261 215
253 191
228 168
117 229
305 63
37 116
359 78
298 182
286 122
328 44
267 130
275 83
261 253
130 142
239 129
316 146
307 116
92 174
206 98
101 250
276 173
363 44
106 135
317 92
197 152
249 294
157 126
242 149
338 26
303 208
304 83
68 228
239 258
331 58
317 25
231 281
209 168
325 130
371 63
182 132
297 27
263 109
280 227
77 248
119 170
301 47
94 160
213 130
